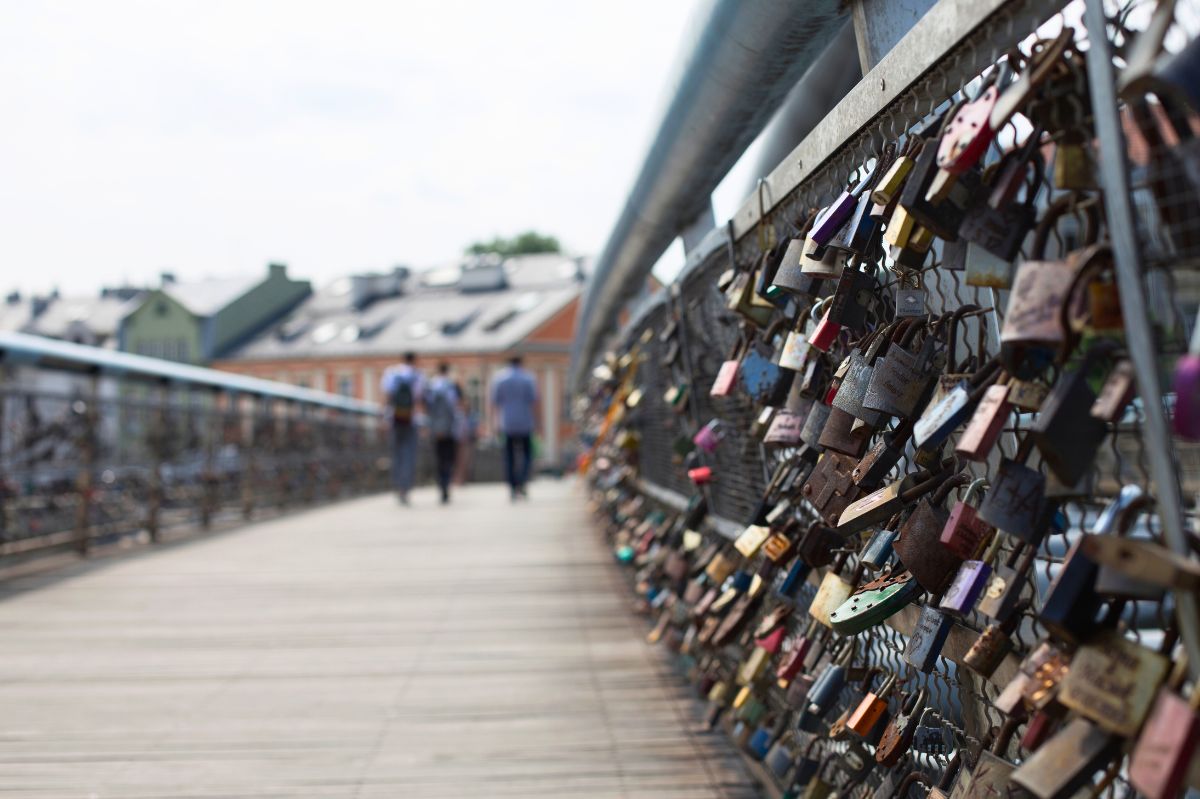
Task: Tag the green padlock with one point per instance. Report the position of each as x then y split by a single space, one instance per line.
874 602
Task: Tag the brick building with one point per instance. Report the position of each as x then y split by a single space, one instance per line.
475 316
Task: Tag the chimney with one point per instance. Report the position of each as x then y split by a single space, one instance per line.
13 298
277 270
38 306
167 278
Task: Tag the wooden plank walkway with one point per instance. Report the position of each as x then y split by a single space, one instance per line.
360 650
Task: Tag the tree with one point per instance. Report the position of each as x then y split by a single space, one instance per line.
526 243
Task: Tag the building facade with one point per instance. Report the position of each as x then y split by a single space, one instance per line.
474 316
200 321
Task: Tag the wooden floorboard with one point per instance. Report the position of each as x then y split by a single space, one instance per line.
359 650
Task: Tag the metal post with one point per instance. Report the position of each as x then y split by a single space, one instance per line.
1117 204
84 482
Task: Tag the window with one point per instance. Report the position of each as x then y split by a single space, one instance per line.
345 385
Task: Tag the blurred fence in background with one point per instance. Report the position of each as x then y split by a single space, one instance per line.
98 447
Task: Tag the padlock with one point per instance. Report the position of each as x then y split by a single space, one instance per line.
932 738
892 178
1071 603
782 754
825 333
829 683
1185 417
919 544
1042 725
967 134
1116 521
901 378
981 433
1168 744
878 551
832 592
709 437
742 297
829 487
793 661
796 576
1034 315
853 389
998 223
898 736
874 602
851 299
988 651
872 709
726 378
965 533
1116 394
1006 585
1016 502
821 261
883 503
992 771
763 380
1113 681
883 456
941 418
816 546
969 583
845 434
1066 433
929 635
1066 762
814 423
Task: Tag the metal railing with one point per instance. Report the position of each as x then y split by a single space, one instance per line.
98 447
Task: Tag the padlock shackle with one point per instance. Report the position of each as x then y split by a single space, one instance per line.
1068 203
943 491
1094 260
975 488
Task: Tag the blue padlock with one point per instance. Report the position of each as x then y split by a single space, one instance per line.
878 551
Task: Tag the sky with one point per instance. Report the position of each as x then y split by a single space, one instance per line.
209 138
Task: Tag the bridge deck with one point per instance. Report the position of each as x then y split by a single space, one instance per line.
484 649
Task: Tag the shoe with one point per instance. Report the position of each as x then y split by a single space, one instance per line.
403 497
445 497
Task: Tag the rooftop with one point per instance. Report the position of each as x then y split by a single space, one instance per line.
482 306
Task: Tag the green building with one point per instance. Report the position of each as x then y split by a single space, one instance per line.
199 321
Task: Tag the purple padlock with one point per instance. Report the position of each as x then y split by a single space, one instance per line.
830 221
838 213
970 582
1186 417
709 437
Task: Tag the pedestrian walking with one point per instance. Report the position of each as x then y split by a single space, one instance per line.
442 400
402 386
514 407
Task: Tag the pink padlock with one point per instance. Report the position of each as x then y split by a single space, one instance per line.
700 475
708 437
825 334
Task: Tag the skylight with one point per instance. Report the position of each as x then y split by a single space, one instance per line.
419 330
325 332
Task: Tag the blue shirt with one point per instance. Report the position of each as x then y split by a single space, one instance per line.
514 393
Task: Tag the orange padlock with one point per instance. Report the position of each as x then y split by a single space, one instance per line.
872 708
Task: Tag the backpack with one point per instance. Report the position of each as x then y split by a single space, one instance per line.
441 415
403 402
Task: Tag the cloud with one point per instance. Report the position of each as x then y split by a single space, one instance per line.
211 137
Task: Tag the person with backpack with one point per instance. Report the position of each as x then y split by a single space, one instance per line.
442 401
402 387
514 406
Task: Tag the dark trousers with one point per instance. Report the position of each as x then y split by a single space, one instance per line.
404 457
517 473
444 452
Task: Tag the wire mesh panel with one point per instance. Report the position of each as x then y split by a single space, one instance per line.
1013 299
